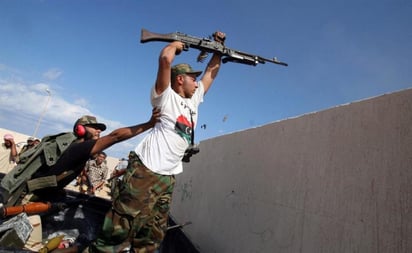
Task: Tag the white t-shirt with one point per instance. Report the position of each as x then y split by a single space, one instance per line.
162 149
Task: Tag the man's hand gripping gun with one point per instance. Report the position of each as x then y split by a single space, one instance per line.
207 45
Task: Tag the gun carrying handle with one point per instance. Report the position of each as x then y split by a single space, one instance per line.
218 38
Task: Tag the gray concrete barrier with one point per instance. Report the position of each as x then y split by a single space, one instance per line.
338 180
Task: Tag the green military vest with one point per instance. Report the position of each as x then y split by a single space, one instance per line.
46 152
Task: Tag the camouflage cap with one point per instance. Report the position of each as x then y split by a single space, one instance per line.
87 120
184 68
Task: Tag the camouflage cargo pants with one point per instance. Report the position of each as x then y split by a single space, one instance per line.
140 211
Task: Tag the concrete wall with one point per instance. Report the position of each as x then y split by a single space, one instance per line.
338 180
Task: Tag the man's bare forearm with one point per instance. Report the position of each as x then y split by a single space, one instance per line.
125 133
13 151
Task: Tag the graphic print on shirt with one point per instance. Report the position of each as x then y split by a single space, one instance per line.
184 127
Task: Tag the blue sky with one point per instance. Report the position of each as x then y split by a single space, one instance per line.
88 54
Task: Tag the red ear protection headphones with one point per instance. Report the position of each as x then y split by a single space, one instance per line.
80 131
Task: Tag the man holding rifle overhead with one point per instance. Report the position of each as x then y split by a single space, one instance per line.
140 211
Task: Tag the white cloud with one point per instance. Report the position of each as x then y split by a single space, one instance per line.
81 102
52 74
22 105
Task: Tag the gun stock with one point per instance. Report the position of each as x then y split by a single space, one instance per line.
207 45
147 36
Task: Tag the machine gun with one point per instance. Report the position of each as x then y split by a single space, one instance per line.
207 45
